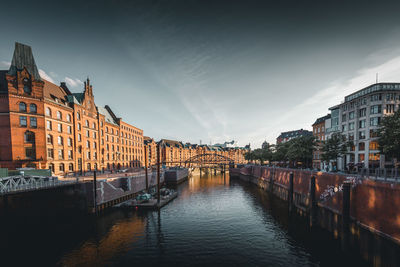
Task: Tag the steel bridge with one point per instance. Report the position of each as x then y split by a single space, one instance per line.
205 160
14 184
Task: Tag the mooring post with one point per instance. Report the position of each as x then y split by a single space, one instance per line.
271 180
145 168
313 203
158 174
346 215
290 193
95 192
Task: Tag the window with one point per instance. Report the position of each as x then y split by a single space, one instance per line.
60 140
32 108
94 155
22 121
69 141
87 123
79 137
69 129
375 121
344 128
68 118
376 109
361 124
22 107
351 126
374 157
78 115
61 167
94 125
361 157
69 154
361 135
79 126
390 108
351 115
361 146
101 123
61 154
343 117
29 137
390 97
50 153
362 112
59 128
59 115
94 145
87 133
30 153
27 86
102 133
48 112
33 122
376 97
88 155
48 125
373 133
373 145
106 129
49 139
351 136
71 167
87 144
94 134
89 166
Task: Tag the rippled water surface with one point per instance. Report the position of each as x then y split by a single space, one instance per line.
214 221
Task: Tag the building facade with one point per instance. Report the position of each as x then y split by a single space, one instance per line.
359 117
286 136
319 134
44 125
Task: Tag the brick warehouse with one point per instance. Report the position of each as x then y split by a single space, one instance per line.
44 125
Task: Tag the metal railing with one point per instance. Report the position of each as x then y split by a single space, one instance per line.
28 183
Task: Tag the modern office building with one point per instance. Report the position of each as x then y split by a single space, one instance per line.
358 118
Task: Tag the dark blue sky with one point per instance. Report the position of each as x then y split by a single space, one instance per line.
210 70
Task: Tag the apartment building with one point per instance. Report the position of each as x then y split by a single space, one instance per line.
319 134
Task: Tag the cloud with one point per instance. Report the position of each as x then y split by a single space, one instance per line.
5 64
45 76
305 113
73 82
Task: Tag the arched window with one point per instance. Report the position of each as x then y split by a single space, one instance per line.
59 115
32 108
27 85
22 107
48 112
29 137
51 167
71 167
61 167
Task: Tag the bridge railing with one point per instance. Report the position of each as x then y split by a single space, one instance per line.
28 183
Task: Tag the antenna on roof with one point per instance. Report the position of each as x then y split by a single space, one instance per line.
376 77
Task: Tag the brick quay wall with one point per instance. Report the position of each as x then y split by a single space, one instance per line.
374 227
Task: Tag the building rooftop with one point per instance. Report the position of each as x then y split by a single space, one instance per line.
23 58
322 119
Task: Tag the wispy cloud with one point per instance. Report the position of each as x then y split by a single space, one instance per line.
73 82
45 76
305 113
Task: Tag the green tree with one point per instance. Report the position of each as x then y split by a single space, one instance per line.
389 136
336 146
301 150
280 153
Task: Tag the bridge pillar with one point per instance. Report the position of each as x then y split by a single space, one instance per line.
313 203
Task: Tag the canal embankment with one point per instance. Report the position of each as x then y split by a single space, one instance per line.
362 214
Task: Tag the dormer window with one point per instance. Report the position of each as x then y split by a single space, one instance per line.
27 86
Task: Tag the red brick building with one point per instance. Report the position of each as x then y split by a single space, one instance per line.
44 125
319 134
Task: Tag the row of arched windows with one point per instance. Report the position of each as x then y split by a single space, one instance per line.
58 114
24 108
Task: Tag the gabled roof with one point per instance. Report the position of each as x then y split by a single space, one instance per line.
23 58
322 119
108 117
52 91
3 82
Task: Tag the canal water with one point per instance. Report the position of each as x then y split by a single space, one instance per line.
215 221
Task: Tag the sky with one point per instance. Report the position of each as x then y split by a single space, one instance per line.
213 71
